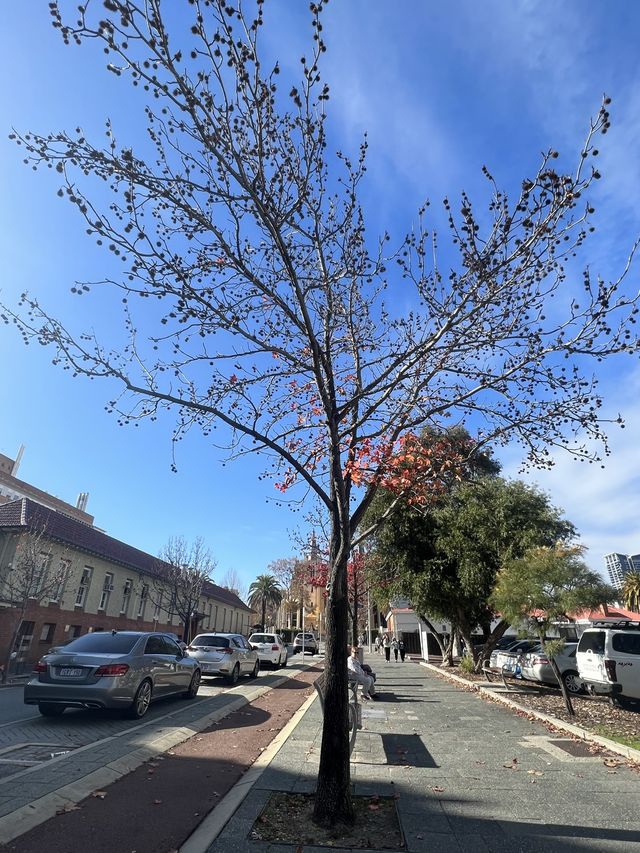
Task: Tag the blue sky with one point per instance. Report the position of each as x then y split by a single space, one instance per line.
441 89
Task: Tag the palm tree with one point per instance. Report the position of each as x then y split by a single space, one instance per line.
631 591
265 591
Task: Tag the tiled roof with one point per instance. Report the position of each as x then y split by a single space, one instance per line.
21 487
28 514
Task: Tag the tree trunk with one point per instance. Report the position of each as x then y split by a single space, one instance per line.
333 804
554 666
493 639
4 670
447 660
465 633
439 638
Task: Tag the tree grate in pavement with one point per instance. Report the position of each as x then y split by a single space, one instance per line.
23 755
576 748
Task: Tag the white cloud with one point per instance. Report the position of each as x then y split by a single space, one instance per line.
601 501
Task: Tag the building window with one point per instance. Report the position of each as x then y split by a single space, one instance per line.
39 575
83 589
63 574
107 589
74 631
209 625
126 596
48 630
224 616
158 607
25 636
142 605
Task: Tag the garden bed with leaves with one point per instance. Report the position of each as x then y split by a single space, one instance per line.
593 713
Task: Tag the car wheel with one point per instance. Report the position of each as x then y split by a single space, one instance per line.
48 709
192 692
141 701
254 672
573 682
231 679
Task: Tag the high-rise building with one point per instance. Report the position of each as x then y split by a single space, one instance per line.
618 565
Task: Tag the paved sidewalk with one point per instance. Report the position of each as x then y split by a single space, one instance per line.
468 774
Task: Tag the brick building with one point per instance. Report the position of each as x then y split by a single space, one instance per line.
84 580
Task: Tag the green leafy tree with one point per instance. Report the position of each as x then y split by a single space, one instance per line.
265 592
446 560
631 591
255 302
545 585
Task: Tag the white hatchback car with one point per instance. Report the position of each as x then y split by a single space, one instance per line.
271 649
229 655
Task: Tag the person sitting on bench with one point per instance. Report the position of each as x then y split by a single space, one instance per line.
357 673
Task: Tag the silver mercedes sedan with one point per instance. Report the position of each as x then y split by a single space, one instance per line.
112 669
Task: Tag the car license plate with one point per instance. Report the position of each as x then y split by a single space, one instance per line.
70 671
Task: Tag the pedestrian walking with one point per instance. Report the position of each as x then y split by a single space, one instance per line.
377 644
386 645
402 650
394 646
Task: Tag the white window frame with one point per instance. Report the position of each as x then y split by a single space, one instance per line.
142 603
158 607
127 590
107 589
40 573
65 565
83 588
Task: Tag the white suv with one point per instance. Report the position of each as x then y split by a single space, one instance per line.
608 659
305 643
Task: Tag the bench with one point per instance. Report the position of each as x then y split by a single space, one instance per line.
355 709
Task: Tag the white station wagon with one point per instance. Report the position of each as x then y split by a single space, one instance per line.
229 655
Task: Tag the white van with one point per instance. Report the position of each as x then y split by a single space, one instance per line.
608 659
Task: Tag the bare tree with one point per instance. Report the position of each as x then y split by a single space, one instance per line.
255 300
36 574
231 580
292 577
178 578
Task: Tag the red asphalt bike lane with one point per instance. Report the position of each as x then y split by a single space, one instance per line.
155 808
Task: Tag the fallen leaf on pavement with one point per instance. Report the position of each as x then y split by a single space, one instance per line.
536 772
68 807
99 794
437 789
612 762
157 802
373 807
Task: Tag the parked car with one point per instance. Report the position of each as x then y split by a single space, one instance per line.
608 658
535 666
305 642
112 669
229 655
271 649
506 657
